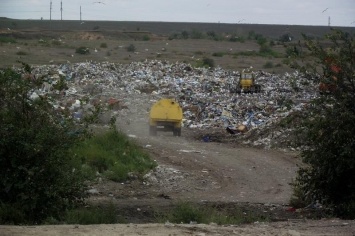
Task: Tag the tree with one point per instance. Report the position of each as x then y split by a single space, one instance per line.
327 130
38 175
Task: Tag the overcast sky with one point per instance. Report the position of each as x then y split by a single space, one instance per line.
288 12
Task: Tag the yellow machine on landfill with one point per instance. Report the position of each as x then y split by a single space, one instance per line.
246 83
165 115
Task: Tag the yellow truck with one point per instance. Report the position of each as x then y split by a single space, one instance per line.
247 83
165 115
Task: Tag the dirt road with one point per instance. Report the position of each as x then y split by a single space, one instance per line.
214 171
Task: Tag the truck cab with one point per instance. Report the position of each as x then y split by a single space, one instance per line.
165 115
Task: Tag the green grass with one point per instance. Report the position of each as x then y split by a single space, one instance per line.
106 214
92 215
114 156
7 40
185 212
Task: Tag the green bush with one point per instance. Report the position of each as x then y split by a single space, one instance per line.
326 133
208 62
146 38
293 51
38 176
131 48
266 50
185 34
195 34
21 53
82 50
286 38
218 54
103 45
268 65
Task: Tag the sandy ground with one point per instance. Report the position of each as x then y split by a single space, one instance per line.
289 228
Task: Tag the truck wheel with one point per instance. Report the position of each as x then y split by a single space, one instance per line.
153 130
177 132
252 90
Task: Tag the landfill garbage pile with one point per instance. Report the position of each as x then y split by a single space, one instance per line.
128 91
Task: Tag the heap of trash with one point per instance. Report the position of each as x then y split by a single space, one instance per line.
205 95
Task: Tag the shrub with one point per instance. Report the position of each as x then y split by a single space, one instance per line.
208 62
292 51
146 38
131 48
82 50
261 40
21 53
326 133
38 176
195 34
266 51
218 54
103 45
268 64
286 38
185 34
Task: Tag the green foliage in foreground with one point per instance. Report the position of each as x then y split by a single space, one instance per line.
38 177
327 129
113 155
46 156
185 212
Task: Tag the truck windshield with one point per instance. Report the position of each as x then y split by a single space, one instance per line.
247 76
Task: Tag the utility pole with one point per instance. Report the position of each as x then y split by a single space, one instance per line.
50 10
80 13
328 20
61 10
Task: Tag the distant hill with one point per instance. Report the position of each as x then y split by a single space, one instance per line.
167 28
